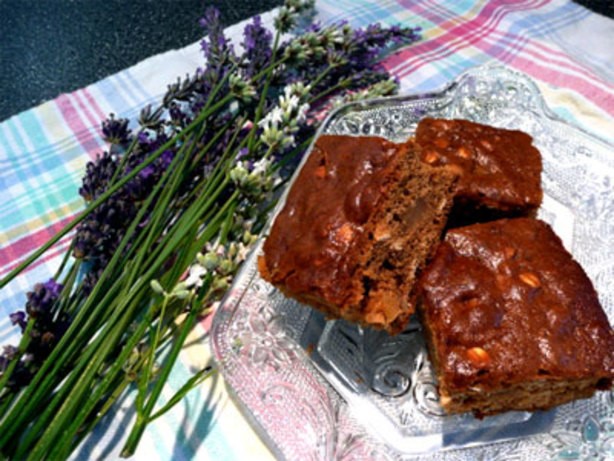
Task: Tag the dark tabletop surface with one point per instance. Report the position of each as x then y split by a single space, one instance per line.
49 47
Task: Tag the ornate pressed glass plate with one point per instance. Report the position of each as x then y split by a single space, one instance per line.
318 390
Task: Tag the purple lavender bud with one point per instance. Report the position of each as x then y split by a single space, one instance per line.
18 318
116 131
210 19
317 26
97 176
147 172
204 47
143 137
257 44
177 114
53 288
166 159
41 299
242 153
216 48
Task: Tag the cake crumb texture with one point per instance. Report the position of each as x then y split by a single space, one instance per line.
358 224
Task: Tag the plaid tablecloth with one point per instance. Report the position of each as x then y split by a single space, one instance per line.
565 48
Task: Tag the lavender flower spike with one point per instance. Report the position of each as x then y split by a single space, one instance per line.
216 48
257 45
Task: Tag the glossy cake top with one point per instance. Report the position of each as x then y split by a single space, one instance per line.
499 169
307 246
505 302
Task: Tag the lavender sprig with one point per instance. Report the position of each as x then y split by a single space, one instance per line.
173 209
257 43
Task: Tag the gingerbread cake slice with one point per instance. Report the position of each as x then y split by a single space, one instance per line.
359 222
512 320
500 169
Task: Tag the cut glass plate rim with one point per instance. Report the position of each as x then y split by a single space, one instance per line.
232 302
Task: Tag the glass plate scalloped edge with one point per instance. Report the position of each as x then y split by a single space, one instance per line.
274 353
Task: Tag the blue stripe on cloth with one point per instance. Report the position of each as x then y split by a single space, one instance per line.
18 143
546 23
123 86
66 149
6 154
134 83
29 153
36 133
113 96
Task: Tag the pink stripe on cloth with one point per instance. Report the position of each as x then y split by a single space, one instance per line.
459 37
559 69
14 254
87 108
540 70
556 68
530 55
556 56
73 119
93 104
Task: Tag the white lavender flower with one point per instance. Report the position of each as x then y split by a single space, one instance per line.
336 58
209 260
195 277
281 123
274 137
298 89
289 13
377 90
255 180
239 173
241 88
288 102
337 35
295 52
275 118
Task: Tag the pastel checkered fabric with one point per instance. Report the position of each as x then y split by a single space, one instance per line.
565 48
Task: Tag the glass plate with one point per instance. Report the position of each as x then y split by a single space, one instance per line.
318 390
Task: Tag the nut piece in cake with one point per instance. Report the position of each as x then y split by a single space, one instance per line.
512 321
358 223
500 169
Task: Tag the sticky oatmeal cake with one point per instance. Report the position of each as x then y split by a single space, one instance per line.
358 224
512 320
500 170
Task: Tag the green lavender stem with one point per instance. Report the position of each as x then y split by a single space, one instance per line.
86 372
67 345
143 418
114 188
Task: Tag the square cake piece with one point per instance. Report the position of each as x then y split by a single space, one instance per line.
512 321
358 224
500 170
